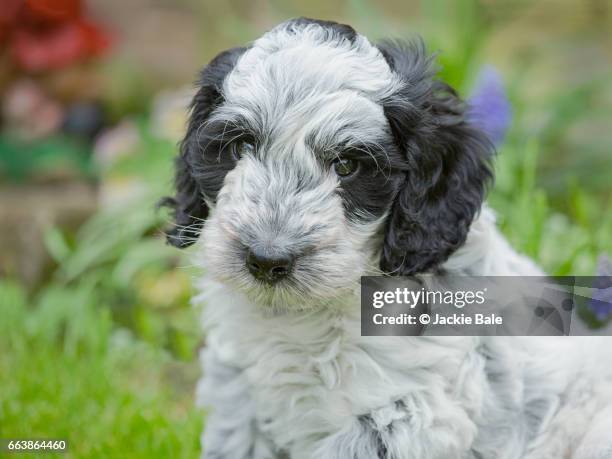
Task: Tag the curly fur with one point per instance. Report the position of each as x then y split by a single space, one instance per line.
286 371
448 170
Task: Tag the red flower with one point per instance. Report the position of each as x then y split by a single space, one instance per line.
47 34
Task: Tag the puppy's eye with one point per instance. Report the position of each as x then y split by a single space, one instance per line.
240 148
345 167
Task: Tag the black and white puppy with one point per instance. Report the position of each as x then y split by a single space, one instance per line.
314 157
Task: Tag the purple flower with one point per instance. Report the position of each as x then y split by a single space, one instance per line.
488 106
601 301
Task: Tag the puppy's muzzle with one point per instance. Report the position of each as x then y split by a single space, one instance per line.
267 267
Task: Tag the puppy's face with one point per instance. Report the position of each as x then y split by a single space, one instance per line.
314 157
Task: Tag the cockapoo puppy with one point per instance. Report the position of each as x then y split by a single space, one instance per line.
314 157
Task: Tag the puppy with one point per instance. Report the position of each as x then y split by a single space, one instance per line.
314 157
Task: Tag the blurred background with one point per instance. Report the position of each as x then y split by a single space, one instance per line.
98 343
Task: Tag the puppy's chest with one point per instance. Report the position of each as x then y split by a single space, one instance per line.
312 372
311 375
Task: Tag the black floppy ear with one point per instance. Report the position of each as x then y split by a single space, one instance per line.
188 206
447 165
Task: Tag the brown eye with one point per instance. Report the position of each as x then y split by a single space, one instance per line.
344 167
241 148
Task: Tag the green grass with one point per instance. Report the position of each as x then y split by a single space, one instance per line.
565 242
67 373
104 354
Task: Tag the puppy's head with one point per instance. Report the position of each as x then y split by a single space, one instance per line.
314 157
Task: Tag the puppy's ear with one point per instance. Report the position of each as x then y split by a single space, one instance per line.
447 165
188 207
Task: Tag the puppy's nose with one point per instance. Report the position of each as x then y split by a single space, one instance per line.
268 268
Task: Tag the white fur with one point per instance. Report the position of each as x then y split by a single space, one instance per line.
286 370
302 380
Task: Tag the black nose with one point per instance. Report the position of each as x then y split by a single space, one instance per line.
268 268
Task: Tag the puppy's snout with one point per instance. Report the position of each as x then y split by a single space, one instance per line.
268 268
